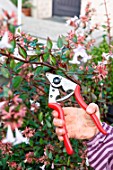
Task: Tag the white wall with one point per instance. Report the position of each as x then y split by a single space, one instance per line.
43 8
100 16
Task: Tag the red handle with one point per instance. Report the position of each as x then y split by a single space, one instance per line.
84 106
60 111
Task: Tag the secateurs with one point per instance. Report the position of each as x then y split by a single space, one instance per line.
56 83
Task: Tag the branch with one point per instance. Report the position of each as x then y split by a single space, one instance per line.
73 80
108 22
25 61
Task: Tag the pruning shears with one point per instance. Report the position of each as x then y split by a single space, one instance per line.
58 82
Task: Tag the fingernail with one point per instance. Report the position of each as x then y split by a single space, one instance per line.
90 110
61 131
60 122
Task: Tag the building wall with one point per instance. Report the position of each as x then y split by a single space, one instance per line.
100 8
100 14
43 8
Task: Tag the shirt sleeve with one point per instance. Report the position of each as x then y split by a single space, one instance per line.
100 150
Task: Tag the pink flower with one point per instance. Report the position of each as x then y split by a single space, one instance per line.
84 18
15 114
12 164
2 104
87 68
17 100
28 132
71 34
101 71
6 148
29 157
81 68
73 21
80 39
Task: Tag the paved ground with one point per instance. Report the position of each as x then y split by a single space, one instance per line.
43 28
52 28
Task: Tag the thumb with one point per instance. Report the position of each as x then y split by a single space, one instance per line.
92 108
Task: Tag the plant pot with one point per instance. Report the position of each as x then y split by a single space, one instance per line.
26 11
109 116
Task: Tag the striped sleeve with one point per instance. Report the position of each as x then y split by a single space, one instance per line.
100 150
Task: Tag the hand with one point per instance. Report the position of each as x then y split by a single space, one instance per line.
79 124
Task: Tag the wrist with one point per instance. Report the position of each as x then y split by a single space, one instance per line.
96 132
98 135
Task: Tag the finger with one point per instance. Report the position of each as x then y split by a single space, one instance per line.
60 131
58 122
92 108
55 113
60 138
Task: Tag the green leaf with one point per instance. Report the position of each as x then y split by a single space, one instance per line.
16 81
30 168
50 155
40 116
33 43
12 28
18 65
41 141
5 91
25 40
5 72
75 38
22 52
104 26
59 42
1 163
38 51
46 56
13 43
48 124
46 50
52 60
12 63
49 44
24 96
45 68
38 70
65 42
68 162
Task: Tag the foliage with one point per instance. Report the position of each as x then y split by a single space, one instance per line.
25 3
24 91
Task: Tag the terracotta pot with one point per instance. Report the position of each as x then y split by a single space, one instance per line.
26 11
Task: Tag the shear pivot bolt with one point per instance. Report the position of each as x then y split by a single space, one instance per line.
56 80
